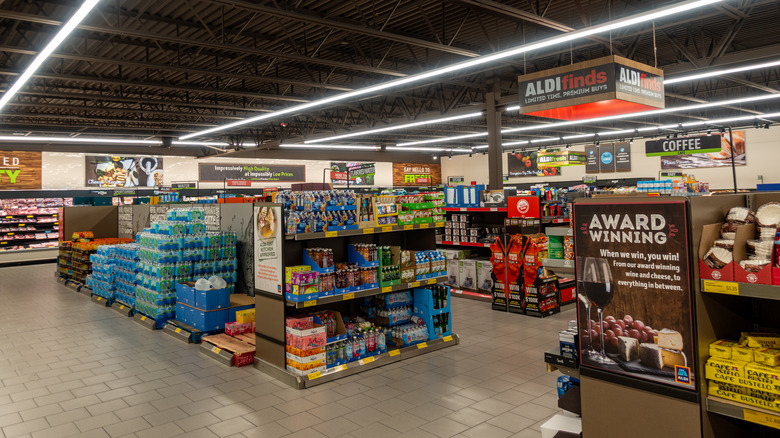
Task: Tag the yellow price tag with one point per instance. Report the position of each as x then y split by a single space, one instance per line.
421 345
310 303
387 289
439 224
143 318
387 229
331 233
721 287
315 375
432 281
349 296
99 299
394 352
415 284
770 420
340 368
216 350
11 234
408 227
121 307
178 330
447 338
366 360
368 231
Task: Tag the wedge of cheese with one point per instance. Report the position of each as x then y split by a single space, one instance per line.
656 357
628 348
670 339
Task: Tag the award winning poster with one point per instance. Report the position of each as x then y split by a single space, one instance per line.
633 282
268 223
524 163
115 171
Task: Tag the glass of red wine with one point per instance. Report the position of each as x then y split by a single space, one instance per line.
597 285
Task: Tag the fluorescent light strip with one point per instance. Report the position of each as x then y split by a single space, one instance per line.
603 119
512 108
63 33
722 72
394 128
329 147
396 148
124 141
549 42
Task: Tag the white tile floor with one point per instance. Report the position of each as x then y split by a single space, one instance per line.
71 368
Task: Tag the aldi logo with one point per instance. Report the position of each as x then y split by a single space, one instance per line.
682 375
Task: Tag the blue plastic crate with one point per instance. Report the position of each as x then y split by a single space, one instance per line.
203 320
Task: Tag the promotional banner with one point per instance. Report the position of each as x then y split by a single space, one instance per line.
268 224
527 207
20 170
414 174
622 157
591 159
524 163
560 158
116 171
718 152
359 173
218 172
633 281
606 158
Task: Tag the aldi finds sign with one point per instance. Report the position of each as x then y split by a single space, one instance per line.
601 87
20 170
683 145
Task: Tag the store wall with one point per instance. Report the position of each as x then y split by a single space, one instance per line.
67 170
762 147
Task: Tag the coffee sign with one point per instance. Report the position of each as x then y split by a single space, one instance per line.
20 170
683 145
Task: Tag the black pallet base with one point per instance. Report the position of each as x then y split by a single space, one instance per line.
101 301
122 308
181 331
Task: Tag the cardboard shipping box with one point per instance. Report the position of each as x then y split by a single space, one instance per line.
467 274
484 276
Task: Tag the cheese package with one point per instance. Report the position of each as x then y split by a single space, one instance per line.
760 340
768 356
628 348
670 339
721 348
742 353
654 356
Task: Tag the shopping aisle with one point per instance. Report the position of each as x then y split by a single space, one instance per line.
71 368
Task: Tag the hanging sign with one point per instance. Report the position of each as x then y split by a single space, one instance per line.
597 88
683 145
606 158
359 173
622 157
414 174
218 172
525 163
560 159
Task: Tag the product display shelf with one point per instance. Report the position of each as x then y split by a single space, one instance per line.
479 296
744 412
364 293
556 361
471 244
338 372
555 220
559 266
374 230
765 291
474 209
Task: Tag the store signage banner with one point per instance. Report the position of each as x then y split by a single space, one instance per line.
116 171
359 173
20 170
456 180
268 224
560 158
219 172
635 86
526 207
622 157
524 163
591 159
633 277
683 145
415 174
717 155
606 158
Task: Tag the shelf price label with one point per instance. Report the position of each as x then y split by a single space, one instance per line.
394 352
331 233
368 231
143 318
447 338
408 227
315 375
721 287
366 360
178 330
387 289
309 303
121 307
439 224
415 284
216 350
764 419
422 345
339 368
424 226
349 296
387 229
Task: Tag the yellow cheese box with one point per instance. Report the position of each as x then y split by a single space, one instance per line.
760 340
721 348
767 356
742 398
246 316
741 353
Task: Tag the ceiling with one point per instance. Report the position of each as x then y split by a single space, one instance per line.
152 69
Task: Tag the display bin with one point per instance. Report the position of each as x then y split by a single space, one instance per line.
313 265
354 257
424 308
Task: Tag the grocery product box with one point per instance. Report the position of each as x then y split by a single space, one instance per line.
202 320
484 270
741 275
710 233
467 274
721 349
239 302
245 316
299 322
298 372
453 273
315 337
